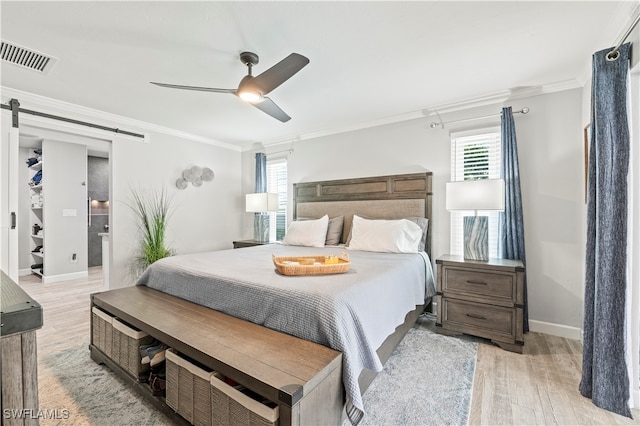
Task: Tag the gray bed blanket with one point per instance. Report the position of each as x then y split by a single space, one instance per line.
352 312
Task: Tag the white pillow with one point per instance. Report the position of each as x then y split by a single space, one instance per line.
389 236
310 233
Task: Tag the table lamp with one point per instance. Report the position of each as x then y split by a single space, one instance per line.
261 204
481 194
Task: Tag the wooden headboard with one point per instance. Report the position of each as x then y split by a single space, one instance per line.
380 197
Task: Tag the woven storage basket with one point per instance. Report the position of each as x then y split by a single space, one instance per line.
188 389
102 330
292 265
126 348
230 407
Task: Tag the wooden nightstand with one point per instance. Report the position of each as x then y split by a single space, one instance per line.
248 243
484 299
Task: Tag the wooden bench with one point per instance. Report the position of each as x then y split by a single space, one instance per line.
302 377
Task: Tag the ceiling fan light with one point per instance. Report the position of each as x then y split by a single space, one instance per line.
249 96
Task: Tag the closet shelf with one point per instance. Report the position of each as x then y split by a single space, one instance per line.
37 216
37 166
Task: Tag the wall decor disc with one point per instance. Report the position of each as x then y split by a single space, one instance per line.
207 174
196 171
181 183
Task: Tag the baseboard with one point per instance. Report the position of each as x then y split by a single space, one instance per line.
48 279
23 272
559 330
635 398
546 328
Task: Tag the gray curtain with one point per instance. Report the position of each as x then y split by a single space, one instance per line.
604 371
511 224
261 219
261 172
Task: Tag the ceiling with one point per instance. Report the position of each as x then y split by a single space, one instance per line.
370 62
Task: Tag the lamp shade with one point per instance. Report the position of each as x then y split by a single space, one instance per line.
482 194
262 202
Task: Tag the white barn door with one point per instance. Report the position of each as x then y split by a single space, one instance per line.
9 196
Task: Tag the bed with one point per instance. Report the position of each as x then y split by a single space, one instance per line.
363 313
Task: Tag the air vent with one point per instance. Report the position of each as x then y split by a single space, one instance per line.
26 58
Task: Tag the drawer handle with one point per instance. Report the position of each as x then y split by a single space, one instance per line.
476 282
480 317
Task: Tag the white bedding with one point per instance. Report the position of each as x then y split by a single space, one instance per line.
352 312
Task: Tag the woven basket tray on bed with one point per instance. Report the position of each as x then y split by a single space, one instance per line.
311 265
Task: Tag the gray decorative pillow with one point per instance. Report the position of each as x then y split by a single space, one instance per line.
334 231
423 223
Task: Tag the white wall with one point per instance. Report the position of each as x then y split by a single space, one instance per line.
405 147
552 176
552 179
203 219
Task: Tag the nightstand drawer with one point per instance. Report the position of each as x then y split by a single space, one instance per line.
490 318
487 284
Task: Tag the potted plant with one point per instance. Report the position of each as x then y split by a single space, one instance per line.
152 209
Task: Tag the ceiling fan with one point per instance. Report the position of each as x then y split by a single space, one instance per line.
253 89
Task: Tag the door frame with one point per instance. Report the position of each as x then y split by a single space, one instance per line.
93 139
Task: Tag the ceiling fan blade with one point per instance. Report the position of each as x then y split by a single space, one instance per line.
270 107
279 73
199 89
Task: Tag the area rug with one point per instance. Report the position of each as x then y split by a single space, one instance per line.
427 381
74 390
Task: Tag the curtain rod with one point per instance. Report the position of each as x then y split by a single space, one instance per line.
290 151
433 125
614 54
71 120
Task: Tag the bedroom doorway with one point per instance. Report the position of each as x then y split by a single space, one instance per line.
55 213
98 206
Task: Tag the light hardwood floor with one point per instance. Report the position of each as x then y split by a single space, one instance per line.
539 386
65 305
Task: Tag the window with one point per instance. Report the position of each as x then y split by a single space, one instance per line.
475 155
277 183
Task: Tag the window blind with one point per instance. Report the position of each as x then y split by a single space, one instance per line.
475 155
277 183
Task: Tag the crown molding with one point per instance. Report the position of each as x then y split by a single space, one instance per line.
456 106
345 129
461 105
32 101
36 101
